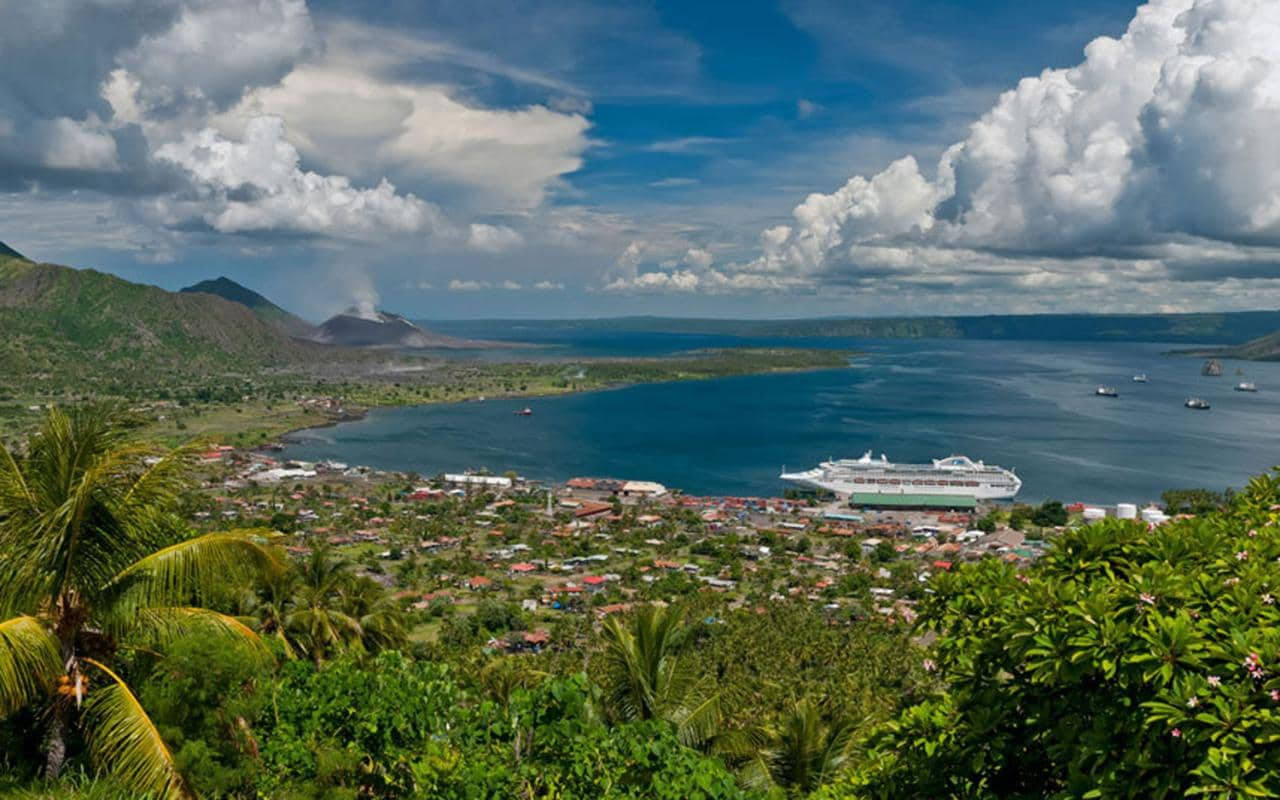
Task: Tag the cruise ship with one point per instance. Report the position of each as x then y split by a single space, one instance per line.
954 475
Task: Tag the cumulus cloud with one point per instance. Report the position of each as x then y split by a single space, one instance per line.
1162 135
548 286
250 118
459 285
493 238
257 184
353 111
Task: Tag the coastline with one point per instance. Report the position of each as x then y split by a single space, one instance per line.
361 413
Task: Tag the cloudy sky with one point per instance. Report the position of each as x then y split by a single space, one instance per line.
469 158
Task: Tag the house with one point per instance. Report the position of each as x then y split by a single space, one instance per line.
612 608
591 508
593 583
479 583
522 568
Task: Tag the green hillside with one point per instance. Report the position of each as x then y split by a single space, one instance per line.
228 289
66 323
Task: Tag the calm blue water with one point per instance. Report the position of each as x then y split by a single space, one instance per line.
1026 405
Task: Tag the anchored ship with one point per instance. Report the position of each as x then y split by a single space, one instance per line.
954 475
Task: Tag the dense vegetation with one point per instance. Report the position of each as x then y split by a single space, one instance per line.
139 657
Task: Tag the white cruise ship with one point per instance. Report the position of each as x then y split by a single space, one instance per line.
954 475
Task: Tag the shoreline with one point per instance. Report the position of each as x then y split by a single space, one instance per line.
364 412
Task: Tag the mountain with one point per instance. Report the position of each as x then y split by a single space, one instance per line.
71 323
228 289
1216 328
1263 348
361 328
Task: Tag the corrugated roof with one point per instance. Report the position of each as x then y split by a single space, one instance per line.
913 500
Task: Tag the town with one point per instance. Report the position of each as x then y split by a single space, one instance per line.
592 547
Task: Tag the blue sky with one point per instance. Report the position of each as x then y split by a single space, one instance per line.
550 159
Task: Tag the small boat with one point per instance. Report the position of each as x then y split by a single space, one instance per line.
525 412
1198 403
1246 386
1141 377
1107 391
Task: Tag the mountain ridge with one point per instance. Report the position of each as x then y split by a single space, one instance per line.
273 314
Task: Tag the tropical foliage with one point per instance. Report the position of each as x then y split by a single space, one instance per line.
1128 663
96 565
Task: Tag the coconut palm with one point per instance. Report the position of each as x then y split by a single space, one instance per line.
317 623
382 622
645 679
93 560
804 750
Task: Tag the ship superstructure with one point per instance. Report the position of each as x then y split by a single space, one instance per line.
954 475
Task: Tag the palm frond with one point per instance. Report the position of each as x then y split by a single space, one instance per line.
697 723
29 662
196 567
159 626
124 742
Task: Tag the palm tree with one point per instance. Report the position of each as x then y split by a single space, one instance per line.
94 560
317 624
382 623
799 754
644 678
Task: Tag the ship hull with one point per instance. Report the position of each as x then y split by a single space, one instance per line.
978 481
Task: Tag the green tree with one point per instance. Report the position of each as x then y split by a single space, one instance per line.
95 562
803 751
1126 663
644 678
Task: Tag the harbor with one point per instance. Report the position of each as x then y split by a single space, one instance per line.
1026 406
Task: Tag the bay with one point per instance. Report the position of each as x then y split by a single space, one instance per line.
1029 406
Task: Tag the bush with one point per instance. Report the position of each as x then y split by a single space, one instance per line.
1126 663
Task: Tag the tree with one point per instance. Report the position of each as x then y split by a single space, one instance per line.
645 679
95 562
1050 514
1125 663
318 625
800 753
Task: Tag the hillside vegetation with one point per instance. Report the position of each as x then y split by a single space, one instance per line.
61 319
271 313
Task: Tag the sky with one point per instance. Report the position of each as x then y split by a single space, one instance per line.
572 158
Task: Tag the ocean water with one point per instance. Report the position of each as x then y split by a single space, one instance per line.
1029 406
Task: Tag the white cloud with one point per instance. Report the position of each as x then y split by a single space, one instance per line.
493 238
1162 135
353 112
698 257
257 185
459 285
806 108
686 144
510 285
549 286
86 145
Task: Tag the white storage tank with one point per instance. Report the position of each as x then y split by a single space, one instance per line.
1126 511
1093 514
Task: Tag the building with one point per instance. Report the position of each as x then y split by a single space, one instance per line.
480 481
643 489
